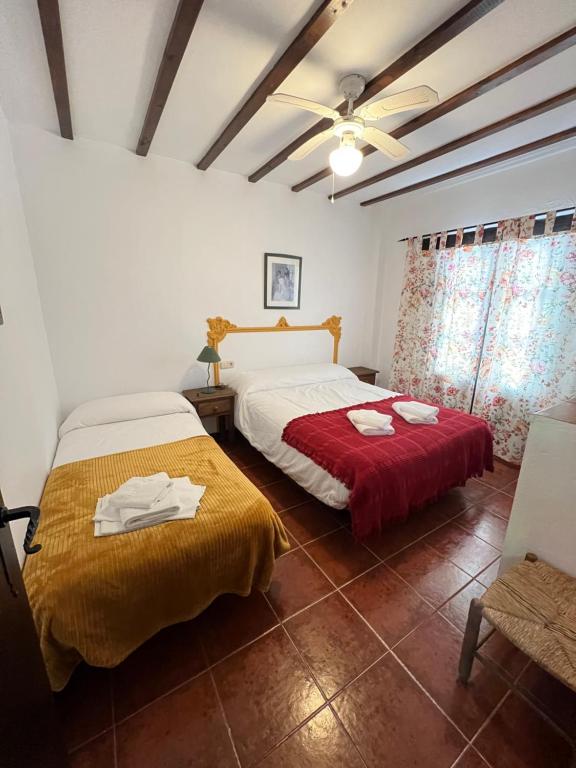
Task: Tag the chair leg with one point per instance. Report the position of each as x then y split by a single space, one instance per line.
470 641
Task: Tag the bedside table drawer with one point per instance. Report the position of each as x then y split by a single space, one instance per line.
367 375
218 403
214 408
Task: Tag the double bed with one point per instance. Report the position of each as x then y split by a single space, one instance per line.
268 400
98 599
296 417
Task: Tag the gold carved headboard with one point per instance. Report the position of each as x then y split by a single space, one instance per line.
219 328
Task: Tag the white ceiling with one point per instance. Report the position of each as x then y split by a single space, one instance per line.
113 49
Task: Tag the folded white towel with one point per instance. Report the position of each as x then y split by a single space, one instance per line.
142 492
115 509
371 423
370 417
422 409
181 503
416 413
135 517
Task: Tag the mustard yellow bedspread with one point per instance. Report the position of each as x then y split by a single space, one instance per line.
98 599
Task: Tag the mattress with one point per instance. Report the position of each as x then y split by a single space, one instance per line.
106 439
263 410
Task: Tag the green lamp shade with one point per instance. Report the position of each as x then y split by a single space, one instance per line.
208 355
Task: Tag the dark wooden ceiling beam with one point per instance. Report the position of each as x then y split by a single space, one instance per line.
182 27
518 67
482 133
52 32
320 22
547 141
448 30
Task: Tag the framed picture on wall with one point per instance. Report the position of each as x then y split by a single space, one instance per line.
282 281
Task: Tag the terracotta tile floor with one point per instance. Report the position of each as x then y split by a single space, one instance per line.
349 661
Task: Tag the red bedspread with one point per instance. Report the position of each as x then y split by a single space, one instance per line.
388 476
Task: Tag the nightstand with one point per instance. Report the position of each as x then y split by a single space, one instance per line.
219 403
367 375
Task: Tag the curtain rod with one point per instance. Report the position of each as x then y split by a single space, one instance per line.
492 224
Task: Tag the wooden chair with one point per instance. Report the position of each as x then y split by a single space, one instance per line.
534 606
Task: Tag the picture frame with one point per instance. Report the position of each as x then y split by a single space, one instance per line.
282 281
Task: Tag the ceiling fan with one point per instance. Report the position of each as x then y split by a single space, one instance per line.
346 160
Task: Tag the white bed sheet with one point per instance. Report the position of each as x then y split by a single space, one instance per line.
261 417
119 436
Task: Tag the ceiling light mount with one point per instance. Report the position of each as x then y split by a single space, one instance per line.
352 86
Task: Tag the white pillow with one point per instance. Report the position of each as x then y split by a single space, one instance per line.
107 410
246 382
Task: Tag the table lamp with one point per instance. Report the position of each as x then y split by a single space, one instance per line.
208 355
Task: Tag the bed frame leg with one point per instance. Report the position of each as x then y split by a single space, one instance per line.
470 641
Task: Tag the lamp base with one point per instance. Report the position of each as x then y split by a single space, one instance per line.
208 390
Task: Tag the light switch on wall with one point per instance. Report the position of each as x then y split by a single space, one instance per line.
227 364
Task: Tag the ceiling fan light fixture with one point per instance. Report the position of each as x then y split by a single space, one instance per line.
352 126
345 160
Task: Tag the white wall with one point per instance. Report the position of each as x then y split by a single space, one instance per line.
133 254
545 183
28 398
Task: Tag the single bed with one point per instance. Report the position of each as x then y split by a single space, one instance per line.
98 599
415 465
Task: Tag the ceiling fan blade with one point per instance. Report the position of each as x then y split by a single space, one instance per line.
385 143
311 144
310 106
414 98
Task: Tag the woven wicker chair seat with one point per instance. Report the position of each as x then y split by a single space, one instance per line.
534 606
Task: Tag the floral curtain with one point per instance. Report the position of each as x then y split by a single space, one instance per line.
490 327
529 357
443 312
